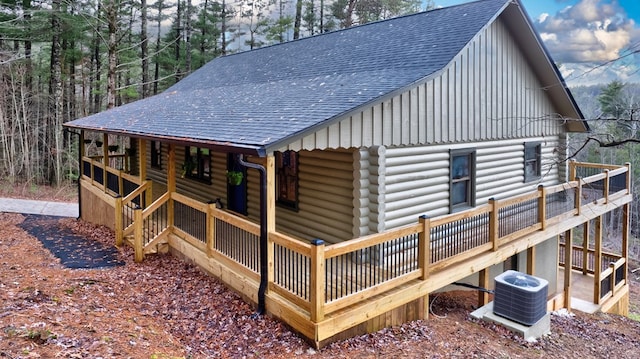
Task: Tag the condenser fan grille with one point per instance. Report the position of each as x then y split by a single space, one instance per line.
520 297
525 281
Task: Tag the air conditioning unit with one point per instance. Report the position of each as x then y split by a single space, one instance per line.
520 297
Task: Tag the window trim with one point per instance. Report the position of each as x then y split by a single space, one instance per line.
471 185
292 204
199 176
536 147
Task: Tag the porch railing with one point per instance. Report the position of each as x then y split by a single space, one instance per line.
108 178
323 279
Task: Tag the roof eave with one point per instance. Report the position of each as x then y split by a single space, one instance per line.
226 147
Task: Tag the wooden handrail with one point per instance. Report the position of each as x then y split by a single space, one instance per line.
337 249
143 187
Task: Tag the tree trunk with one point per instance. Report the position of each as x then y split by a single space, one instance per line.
177 41
298 20
112 47
53 144
223 29
143 48
187 25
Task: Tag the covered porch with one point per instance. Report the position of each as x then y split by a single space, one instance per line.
327 291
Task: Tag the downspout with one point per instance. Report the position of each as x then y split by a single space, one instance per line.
264 279
79 170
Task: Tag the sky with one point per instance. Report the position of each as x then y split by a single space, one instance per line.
593 42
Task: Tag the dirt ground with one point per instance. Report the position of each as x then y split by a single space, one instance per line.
163 308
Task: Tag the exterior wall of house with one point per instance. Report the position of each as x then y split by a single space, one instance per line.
488 92
195 189
325 194
415 180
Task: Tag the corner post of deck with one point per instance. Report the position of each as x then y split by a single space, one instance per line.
568 248
138 245
105 160
211 227
118 220
493 223
628 177
483 282
531 260
317 281
542 207
270 173
585 247
424 245
578 197
142 158
120 183
572 170
171 183
597 260
605 188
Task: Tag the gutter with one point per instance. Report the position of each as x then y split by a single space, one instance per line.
264 280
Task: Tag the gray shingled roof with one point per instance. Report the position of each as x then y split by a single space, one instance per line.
258 99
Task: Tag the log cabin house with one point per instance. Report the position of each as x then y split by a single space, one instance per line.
337 180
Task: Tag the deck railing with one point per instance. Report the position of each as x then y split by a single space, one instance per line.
116 181
323 279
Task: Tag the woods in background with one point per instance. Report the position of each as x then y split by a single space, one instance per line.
65 59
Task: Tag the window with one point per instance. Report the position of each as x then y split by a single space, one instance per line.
197 164
156 154
287 179
532 163
462 167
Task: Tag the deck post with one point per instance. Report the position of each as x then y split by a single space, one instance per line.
138 245
424 246
572 170
605 188
105 161
597 260
625 239
578 197
270 173
317 281
211 228
493 224
568 235
628 184
483 282
542 208
585 247
531 260
118 220
171 183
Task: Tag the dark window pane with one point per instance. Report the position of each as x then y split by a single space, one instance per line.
459 193
460 167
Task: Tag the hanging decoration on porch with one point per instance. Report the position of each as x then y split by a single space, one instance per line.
235 177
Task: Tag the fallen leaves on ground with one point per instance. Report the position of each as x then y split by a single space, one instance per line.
165 308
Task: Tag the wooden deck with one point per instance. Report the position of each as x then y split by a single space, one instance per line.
328 290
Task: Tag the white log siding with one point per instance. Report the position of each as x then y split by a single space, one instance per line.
325 197
417 178
488 92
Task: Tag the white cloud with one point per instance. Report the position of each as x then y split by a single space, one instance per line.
590 31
